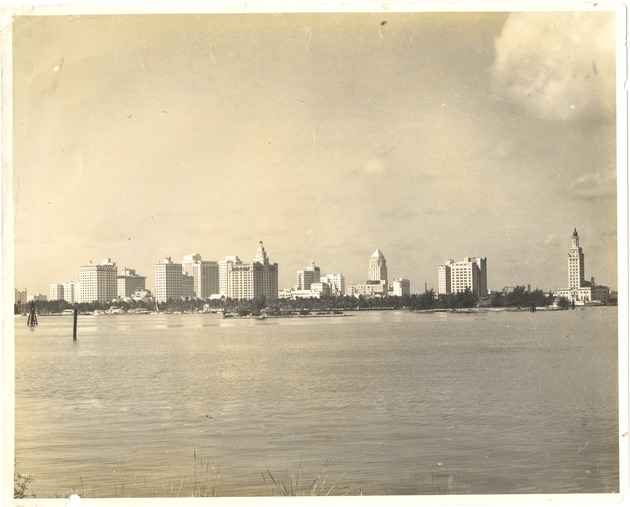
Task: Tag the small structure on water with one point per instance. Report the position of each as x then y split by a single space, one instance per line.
32 316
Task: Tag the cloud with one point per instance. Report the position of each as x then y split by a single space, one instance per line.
601 184
560 66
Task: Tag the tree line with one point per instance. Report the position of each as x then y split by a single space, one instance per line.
519 297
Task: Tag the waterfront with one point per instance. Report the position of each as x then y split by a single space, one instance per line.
397 402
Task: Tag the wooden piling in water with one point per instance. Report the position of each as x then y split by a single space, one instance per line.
74 327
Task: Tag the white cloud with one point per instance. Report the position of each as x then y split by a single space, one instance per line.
560 66
600 184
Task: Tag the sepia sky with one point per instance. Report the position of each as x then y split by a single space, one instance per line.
430 136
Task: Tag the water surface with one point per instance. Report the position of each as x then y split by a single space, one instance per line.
396 402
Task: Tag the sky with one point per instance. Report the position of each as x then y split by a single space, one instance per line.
430 136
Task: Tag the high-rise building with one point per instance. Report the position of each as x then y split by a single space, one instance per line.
98 282
265 275
581 291
576 263
223 273
401 287
21 296
71 292
129 282
248 281
307 277
205 275
56 292
377 270
469 274
168 280
337 283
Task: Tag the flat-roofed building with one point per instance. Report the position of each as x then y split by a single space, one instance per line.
205 275
129 282
401 287
98 282
337 283
56 292
168 280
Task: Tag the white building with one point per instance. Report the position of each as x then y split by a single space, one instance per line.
377 269
224 267
368 289
205 275
469 274
98 282
248 281
129 282
56 292
307 276
71 292
168 280
580 291
401 287
337 283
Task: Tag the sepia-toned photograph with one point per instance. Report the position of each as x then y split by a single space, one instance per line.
344 251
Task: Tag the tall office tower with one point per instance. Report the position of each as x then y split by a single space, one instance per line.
98 282
71 292
265 276
444 278
576 263
469 274
402 287
168 280
21 296
129 282
307 277
377 271
56 291
205 275
240 280
337 283
188 286
224 266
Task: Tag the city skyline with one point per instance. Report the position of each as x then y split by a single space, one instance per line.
376 262
325 135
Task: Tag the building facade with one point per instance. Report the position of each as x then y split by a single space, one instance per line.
21 296
205 275
71 292
377 269
579 290
469 274
224 267
307 277
249 281
168 280
337 283
401 287
129 282
56 292
98 282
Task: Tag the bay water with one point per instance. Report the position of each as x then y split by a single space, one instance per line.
379 402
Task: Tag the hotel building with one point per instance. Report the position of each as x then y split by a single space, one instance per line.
401 287
168 280
469 274
98 282
336 282
205 275
129 282
248 281
307 277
